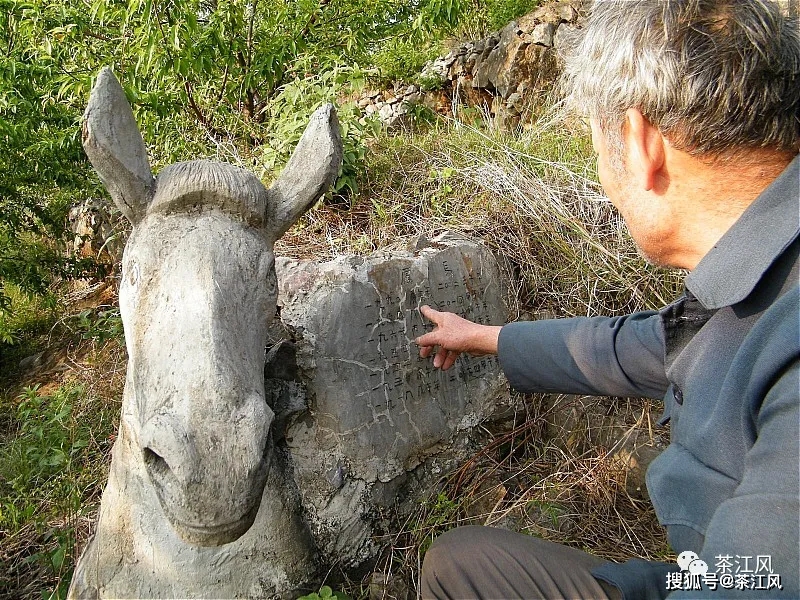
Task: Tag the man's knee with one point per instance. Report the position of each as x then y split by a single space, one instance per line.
445 554
483 562
443 570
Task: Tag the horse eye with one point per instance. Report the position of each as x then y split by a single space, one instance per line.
133 273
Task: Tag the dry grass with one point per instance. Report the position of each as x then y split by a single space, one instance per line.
533 198
531 476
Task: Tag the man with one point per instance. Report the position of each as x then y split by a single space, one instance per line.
694 108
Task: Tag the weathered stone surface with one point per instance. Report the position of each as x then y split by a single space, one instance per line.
563 36
378 412
552 12
541 65
471 95
518 56
542 34
493 71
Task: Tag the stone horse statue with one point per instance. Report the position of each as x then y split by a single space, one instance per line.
197 503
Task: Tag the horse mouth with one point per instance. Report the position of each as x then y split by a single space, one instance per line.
214 534
175 501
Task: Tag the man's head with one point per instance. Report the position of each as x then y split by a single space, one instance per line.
714 76
673 87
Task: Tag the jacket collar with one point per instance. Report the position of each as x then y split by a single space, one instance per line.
733 267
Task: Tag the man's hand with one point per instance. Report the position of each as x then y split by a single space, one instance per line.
454 335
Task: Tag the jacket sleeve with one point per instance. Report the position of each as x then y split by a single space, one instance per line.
602 356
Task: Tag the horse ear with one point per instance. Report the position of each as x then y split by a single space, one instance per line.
309 173
115 147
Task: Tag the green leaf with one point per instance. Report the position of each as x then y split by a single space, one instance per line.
57 558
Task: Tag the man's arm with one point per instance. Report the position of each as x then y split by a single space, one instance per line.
620 356
601 356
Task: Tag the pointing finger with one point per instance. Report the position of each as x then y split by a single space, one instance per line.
430 313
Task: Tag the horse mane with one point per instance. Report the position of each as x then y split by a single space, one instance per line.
197 185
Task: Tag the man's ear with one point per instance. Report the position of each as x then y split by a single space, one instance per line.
645 150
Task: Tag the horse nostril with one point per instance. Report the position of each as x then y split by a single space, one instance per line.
155 462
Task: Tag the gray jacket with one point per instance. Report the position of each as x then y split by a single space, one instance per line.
726 359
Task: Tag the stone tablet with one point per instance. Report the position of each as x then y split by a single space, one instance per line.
377 411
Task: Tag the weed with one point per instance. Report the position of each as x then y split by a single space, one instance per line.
325 593
99 324
51 466
402 59
485 17
26 315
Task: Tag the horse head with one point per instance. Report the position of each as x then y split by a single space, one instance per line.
197 294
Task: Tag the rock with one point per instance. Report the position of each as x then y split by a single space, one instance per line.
542 34
552 13
435 70
438 101
506 118
386 112
541 66
384 586
502 64
473 96
567 13
564 35
379 417
97 231
515 101
30 363
520 58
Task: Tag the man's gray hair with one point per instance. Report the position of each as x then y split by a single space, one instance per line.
715 76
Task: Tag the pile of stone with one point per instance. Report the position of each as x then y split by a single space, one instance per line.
97 232
391 107
509 70
505 74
